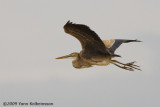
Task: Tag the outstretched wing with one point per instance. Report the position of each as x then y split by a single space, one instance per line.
92 45
113 44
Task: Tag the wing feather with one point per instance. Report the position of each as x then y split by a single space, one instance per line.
91 43
108 43
113 44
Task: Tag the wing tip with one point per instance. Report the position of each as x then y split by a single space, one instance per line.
66 25
136 40
69 22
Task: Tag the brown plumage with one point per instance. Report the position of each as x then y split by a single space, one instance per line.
94 50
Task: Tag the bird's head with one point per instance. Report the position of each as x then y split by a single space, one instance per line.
72 55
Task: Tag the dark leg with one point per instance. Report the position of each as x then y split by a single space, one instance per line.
128 66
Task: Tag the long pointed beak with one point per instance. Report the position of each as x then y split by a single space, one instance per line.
64 57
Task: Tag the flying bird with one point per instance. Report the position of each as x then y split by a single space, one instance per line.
94 50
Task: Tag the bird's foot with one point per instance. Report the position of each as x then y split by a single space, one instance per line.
131 66
128 66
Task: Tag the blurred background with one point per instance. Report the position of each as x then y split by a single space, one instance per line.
32 36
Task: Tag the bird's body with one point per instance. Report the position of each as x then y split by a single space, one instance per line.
94 50
80 62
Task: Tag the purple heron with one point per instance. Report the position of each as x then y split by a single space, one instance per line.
94 50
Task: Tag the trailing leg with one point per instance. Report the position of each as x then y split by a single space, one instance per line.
128 66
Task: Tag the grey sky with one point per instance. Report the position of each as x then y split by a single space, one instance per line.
32 36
